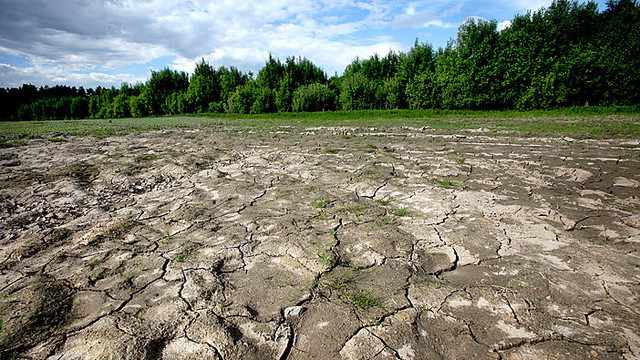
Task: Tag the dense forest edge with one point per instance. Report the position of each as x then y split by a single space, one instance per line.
567 55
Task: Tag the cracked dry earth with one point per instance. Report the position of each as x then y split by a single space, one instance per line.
320 243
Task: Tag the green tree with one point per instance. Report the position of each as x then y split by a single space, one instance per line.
230 79
619 44
161 85
176 103
204 88
422 92
138 106
264 100
241 101
357 92
313 97
466 70
271 74
79 107
120 107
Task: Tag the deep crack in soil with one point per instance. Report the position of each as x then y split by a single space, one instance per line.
323 243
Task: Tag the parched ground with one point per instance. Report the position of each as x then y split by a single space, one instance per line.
320 243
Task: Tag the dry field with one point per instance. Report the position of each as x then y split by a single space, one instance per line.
320 243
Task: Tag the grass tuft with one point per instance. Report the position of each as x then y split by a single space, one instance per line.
366 300
402 211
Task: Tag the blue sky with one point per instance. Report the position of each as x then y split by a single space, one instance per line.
107 42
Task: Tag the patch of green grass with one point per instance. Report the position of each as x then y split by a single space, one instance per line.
284 194
5 143
333 151
115 232
5 352
146 157
383 201
187 252
365 300
428 279
383 221
597 241
343 282
576 122
449 183
321 203
401 211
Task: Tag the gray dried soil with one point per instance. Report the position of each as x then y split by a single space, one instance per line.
320 243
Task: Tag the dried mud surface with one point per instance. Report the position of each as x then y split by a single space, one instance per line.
320 243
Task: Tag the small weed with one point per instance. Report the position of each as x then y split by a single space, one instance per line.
365 300
383 201
425 167
146 157
343 282
372 146
399 289
437 283
327 258
187 252
449 183
93 263
382 222
115 232
321 203
461 159
371 172
322 215
401 212
597 241
4 352
333 151
616 347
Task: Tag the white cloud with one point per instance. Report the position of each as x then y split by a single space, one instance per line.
12 76
90 41
504 24
432 14
412 19
476 19
523 5
440 24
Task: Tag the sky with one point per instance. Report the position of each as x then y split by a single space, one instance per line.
108 42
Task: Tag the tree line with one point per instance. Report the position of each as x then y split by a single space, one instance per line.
569 54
